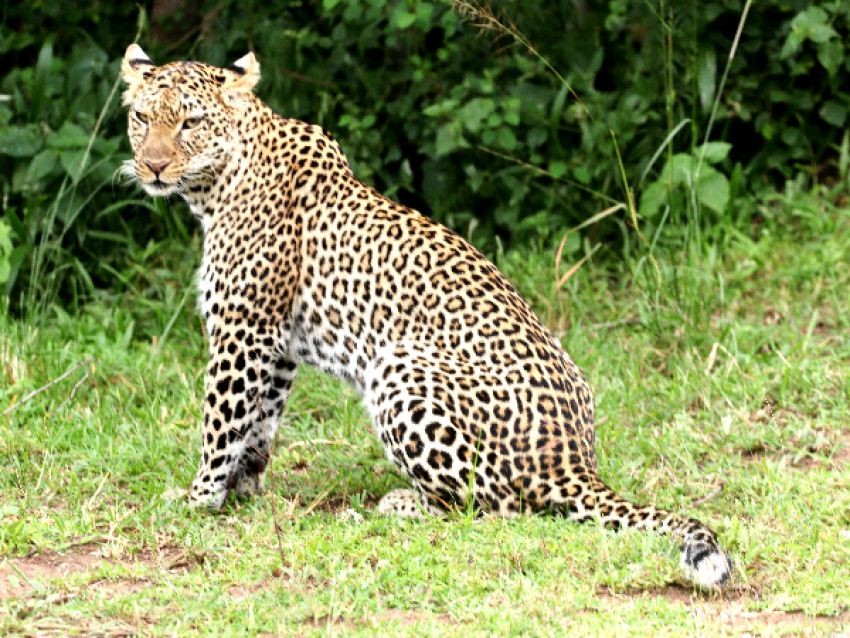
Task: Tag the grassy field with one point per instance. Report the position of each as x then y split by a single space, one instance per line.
721 381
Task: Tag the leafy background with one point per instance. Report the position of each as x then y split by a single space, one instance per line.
457 120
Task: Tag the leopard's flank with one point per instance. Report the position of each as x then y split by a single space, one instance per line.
472 397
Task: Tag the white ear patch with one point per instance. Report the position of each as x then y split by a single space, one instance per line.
135 67
242 75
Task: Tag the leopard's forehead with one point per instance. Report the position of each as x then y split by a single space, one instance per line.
195 76
180 87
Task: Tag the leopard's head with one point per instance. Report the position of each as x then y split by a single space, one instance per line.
182 119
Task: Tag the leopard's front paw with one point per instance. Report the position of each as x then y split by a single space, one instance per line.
202 496
248 479
249 484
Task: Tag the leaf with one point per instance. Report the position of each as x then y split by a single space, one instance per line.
714 152
494 121
72 163
474 112
507 139
106 146
401 18
683 170
433 110
16 41
16 261
5 251
405 20
652 199
20 141
68 136
449 139
809 18
833 113
811 24
38 88
5 238
707 78
581 174
40 166
713 190
536 137
792 44
791 136
557 169
821 33
510 110
831 55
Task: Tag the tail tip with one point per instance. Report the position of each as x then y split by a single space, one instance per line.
707 566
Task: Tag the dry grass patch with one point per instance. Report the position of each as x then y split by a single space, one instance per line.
402 619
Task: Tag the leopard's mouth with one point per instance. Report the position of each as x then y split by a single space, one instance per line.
159 188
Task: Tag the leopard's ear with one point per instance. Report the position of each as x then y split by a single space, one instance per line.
135 69
242 76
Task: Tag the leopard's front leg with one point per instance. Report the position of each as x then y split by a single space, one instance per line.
246 389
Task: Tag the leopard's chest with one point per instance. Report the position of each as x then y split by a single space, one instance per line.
248 279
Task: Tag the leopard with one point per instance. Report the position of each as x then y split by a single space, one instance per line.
475 402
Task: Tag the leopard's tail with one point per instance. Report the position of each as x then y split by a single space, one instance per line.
702 559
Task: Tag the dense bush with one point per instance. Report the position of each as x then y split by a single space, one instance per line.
466 124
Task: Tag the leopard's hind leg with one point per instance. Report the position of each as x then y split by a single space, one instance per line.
414 397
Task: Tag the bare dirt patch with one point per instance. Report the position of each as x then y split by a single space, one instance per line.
732 611
17 574
841 456
20 577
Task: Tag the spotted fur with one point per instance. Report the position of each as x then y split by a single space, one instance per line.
472 397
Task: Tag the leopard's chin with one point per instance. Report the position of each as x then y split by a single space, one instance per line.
159 188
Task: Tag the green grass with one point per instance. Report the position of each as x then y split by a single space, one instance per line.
734 368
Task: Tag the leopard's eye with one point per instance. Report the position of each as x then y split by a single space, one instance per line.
191 122
144 119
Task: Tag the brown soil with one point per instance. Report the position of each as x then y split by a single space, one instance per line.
729 612
725 613
84 558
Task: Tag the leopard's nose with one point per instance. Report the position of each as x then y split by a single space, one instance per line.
157 167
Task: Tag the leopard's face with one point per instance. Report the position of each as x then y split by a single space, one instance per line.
174 145
182 122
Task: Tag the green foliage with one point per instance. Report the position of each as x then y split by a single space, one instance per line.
796 101
686 175
475 128
54 164
61 142
5 251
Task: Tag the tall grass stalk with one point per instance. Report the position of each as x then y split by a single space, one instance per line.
719 92
41 292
